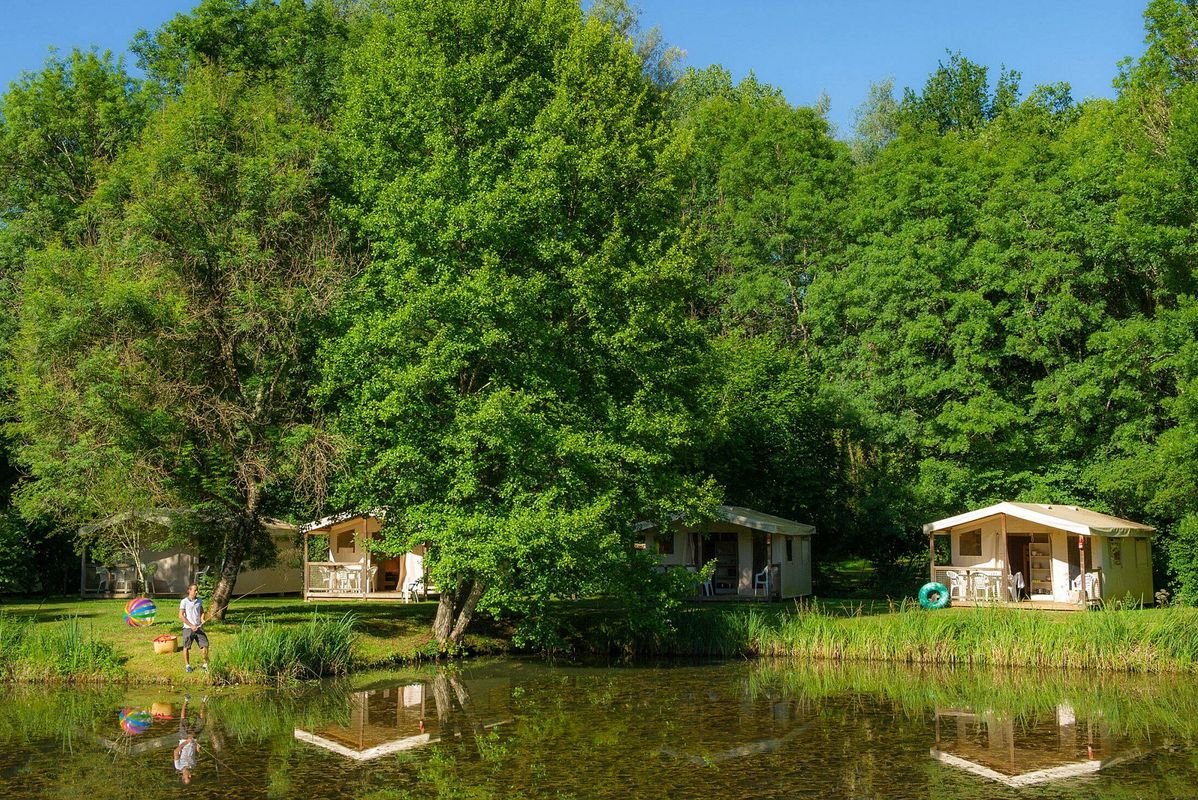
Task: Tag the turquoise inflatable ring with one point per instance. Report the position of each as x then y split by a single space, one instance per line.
933 595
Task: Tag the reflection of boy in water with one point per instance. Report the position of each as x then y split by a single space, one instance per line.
189 748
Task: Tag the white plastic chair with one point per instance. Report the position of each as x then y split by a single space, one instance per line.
957 587
1091 581
103 577
762 580
706 588
1014 585
983 587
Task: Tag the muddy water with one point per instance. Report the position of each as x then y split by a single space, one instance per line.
515 729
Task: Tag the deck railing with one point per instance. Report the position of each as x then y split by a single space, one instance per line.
338 578
973 583
987 583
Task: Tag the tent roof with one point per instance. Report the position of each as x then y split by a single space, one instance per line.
760 521
748 518
1073 519
342 516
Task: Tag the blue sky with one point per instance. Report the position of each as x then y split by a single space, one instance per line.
805 47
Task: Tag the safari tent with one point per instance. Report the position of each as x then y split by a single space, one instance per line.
339 562
170 571
756 554
1014 552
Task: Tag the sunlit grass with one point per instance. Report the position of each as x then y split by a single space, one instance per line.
268 651
66 650
1163 640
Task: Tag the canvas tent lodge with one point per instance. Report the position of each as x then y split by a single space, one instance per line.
170 571
340 564
1039 552
756 554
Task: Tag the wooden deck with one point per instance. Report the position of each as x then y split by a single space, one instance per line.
392 596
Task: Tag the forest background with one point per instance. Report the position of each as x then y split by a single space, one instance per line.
506 270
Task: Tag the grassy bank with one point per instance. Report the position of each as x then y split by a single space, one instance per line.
253 643
69 651
1130 640
268 641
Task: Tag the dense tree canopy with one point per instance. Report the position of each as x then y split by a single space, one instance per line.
592 290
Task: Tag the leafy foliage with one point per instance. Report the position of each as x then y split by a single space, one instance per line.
516 367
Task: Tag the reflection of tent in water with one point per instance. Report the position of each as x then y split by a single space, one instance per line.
386 721
1025 753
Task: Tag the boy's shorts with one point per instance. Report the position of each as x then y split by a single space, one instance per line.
199 637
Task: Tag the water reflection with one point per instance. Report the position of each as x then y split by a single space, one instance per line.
389 720
1056 747
520 729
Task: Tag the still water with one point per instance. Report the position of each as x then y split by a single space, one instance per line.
514 729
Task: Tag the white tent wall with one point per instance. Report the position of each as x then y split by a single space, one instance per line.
172 569
794 564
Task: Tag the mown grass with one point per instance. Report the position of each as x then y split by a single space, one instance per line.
67 651
266 651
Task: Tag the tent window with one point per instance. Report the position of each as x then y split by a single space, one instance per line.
665 544
345 540
1116 553
790 548
971 543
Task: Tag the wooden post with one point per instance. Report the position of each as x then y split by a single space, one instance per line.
932 556
1081 559
366 574
82 573
305 565
1004 574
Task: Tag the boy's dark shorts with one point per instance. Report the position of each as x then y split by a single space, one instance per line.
199 637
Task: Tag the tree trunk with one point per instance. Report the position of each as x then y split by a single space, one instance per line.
455 610
230 567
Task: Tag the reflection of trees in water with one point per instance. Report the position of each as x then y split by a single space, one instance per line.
767 729
1127 704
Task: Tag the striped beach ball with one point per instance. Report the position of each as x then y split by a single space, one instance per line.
135 720
140 611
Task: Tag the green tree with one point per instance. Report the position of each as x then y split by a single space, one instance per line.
60 130
297 43
517 368
168 363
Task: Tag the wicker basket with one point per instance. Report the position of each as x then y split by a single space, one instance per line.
166 644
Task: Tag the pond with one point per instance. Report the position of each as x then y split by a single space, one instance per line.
511 729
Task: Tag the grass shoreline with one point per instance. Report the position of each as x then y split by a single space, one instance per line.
279 640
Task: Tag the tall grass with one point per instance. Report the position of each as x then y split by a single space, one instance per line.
61 651
1129 640
266 651
1108 639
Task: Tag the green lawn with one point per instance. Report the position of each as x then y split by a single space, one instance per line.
389 633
